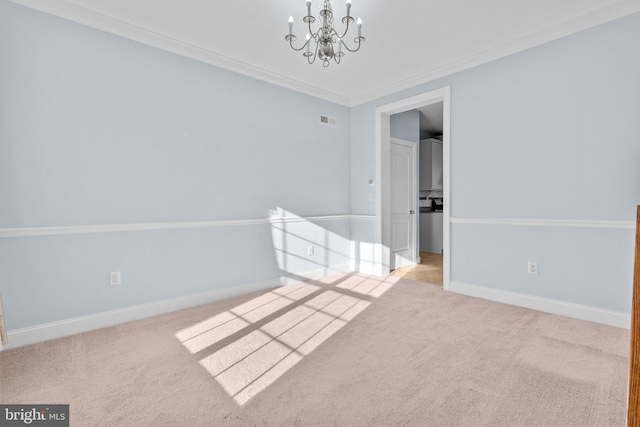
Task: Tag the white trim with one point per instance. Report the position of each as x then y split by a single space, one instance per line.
446 172
53 330
383 132
103 22
367 217
539 222
7 233
576 311
48 331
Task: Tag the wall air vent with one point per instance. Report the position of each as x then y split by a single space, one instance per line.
327 120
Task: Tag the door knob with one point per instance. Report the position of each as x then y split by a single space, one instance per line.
411 212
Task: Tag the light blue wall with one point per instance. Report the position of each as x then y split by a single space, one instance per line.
590 267
363 165
406 125
549 133
97 129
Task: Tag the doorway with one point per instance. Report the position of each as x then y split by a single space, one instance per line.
384 232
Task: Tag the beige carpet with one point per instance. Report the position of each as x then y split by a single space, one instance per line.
346 350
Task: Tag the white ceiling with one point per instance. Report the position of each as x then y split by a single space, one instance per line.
407 41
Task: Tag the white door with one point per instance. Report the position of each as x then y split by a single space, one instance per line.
403 204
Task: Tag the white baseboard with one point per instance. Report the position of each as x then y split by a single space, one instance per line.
371 268
49 331
76 325
576 311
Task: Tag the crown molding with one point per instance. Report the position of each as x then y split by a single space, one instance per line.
78 14
601 16
93 19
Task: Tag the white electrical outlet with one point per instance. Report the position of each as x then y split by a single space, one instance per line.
114 278
532 267
311 250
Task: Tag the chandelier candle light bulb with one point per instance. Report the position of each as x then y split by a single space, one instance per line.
325 36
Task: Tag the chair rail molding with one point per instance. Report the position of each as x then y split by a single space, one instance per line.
7 233
544 222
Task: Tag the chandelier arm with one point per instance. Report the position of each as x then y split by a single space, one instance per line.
291 38
357 39
346 30
333 35
297 48
315 52
310 20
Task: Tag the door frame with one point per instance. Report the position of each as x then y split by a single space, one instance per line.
383 196
415 255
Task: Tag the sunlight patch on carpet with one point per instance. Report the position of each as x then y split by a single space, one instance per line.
370 286
206 333
250 364
285 325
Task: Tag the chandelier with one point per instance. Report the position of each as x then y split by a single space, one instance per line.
328 42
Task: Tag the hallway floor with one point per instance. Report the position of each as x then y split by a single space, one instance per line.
429 270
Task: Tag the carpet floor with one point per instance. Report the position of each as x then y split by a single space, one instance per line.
345 350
